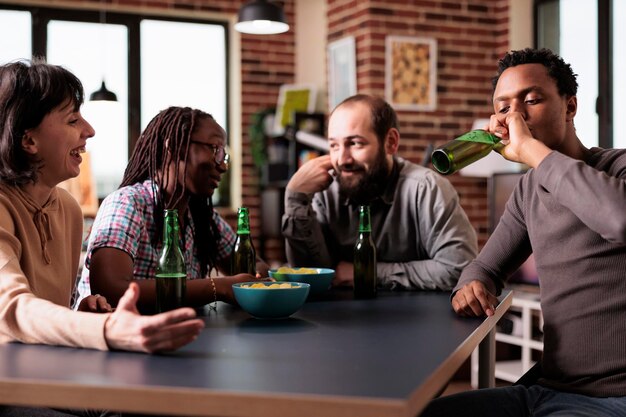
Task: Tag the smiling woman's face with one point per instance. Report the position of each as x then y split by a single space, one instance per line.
203 173
58 142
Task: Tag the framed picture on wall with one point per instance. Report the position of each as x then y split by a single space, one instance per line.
411 72
293 98
341 70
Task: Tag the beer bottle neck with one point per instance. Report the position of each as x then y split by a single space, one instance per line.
170 229
243 222
364 220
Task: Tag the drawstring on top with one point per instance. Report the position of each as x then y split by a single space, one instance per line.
42 223
41 219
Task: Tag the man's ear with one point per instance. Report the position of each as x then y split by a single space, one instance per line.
29 144
572 107
392 141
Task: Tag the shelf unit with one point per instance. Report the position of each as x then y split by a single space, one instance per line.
511 370
285 154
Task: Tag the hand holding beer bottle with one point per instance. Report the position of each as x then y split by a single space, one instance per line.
464 150
171 272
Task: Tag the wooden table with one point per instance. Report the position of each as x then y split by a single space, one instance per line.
335 357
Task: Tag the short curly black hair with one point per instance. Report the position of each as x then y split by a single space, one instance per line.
558 70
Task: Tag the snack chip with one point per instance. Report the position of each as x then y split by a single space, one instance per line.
287 270
271 286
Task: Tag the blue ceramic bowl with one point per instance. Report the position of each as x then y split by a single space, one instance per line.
319 282
270 303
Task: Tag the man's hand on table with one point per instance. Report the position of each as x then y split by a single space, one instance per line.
126 329
474 299
344 275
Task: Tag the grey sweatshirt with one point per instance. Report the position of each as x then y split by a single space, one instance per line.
572 215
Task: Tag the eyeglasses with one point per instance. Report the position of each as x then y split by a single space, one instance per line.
219 152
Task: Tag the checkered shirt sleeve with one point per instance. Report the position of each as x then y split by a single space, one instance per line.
125 221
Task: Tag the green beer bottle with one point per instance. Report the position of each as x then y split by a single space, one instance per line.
365 279
243 256
171 273
464 150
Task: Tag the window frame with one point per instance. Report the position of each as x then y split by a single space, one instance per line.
604 101
42 15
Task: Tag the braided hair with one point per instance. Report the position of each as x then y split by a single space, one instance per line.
166 141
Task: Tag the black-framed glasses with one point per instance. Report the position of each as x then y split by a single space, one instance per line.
219 152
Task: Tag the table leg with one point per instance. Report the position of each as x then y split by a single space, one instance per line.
487 361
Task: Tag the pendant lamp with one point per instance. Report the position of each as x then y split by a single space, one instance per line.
260 17
103 94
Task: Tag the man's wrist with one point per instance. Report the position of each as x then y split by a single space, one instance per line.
296 201
534 153
106 332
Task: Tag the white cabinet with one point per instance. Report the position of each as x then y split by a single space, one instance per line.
525 333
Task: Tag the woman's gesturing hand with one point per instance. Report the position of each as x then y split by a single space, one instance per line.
126 329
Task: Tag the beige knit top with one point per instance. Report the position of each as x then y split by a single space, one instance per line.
39 255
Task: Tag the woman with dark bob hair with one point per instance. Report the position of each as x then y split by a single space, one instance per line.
42 136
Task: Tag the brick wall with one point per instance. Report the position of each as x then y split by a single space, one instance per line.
471 35
267 62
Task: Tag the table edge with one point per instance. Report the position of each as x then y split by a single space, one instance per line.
439 379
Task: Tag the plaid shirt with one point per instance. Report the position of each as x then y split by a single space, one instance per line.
125 221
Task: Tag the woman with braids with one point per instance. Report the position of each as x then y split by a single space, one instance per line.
177 163
42 137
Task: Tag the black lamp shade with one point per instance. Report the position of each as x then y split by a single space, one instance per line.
261 17
103 94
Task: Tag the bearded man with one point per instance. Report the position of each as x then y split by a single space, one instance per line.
423 237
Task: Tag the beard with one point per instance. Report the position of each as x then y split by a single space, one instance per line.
365 185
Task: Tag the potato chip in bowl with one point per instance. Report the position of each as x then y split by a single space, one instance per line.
319 279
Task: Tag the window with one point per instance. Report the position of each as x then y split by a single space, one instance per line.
182 64
15 39
109 147
149 62
619 73
588 35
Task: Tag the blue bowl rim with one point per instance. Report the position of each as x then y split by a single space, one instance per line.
320 271
267 283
